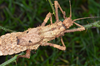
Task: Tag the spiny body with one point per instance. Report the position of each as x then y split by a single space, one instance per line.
32 38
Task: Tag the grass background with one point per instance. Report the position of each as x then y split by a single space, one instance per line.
83 48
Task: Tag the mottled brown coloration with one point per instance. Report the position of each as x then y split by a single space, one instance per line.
29 37
32 38
9 46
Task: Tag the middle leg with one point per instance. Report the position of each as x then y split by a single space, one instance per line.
55 45
49 15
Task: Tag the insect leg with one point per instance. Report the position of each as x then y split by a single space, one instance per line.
56 10
62 41
27 55
49 15
55 45
78 29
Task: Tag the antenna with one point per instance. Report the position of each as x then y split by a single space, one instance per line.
84 18
70 9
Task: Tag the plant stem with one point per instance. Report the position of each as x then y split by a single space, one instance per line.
9 61
52 6
5 29
95 24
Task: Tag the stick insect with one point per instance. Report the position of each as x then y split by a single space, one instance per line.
32 38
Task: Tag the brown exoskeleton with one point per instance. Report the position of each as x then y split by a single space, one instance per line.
52 31
34 37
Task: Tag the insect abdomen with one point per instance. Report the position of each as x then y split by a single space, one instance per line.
8 44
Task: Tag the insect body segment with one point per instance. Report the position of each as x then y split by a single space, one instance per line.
8 44
29 37
11 43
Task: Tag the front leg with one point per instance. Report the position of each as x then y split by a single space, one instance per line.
56 10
